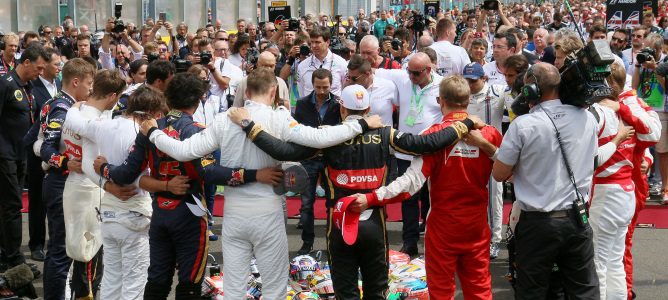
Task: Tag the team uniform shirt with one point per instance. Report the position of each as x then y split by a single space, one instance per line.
451 58
332 62
16 117
254 198
95 130
530 144
418 108
6 67
488 104
58 147
494 76
382 96
619 167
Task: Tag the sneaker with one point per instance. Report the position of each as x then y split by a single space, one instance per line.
37 255
493 250
319 191
305 249
212 236
664 200
290 194
423 228
655 189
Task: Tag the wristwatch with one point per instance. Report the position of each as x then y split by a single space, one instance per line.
245 123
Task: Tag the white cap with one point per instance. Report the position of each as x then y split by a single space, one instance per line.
355 97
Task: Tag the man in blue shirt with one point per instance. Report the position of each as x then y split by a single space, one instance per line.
379 25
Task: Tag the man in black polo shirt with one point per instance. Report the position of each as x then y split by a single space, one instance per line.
316 109
16 104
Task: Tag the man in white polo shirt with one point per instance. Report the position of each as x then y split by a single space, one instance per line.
321 58
419 109
451 58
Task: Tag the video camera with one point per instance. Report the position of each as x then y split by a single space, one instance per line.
335 44
118 23
583 77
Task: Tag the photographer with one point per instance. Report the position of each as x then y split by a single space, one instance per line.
266 60
370 51
239 51
106 59
649 80
552 227
296 54
402 38
629 55
322 57
222 74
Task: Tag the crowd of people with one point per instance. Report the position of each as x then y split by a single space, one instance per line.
123 136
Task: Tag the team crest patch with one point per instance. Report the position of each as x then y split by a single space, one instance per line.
18 95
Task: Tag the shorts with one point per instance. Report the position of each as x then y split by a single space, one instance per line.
662 145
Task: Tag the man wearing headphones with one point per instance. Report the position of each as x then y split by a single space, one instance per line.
553 226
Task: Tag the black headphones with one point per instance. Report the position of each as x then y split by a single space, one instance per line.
530 91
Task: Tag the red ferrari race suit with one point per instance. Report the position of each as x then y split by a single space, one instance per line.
457 237
640 154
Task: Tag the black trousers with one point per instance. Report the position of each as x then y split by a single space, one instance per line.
412 208
368 254
12 173
37 212
542 241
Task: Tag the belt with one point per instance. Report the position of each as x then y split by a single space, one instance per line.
550 214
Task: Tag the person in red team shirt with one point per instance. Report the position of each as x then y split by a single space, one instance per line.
457 237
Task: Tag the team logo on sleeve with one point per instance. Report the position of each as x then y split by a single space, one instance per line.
18 95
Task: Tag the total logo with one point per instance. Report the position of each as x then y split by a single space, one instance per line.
343 179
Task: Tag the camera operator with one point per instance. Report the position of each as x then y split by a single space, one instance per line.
451 58
222 74
553 226
370 51
322 57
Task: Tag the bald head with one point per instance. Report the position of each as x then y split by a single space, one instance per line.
267 60
547 77
419 60
419 69
425 41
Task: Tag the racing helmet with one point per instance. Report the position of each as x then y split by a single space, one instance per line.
302 269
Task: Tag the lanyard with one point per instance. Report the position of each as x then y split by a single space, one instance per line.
29 96
417 96
7 67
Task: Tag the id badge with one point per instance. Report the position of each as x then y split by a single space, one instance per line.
413 117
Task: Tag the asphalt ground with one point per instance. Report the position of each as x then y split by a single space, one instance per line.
650 247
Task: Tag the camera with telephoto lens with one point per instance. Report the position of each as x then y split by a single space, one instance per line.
645 55
304 50
204 57
118 23
2 40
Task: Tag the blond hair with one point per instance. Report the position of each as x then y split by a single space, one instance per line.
455 91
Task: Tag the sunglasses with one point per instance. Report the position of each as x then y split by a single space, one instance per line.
638 36
223 39
271 30
415 73
616 39
354 79
47 32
